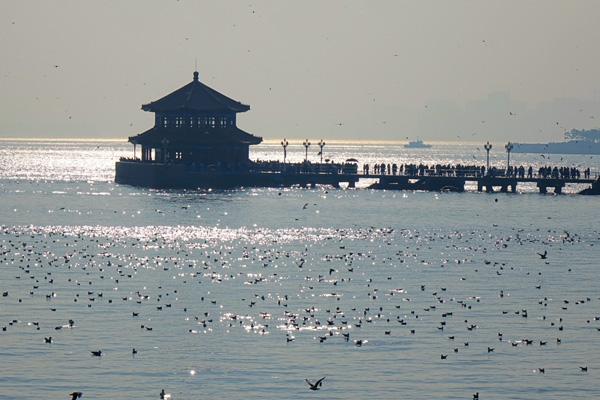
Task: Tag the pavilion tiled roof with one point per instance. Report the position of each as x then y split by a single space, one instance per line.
189 137
196 96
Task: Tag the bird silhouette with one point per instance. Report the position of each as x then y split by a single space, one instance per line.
165 396
543 255
317 385
75 395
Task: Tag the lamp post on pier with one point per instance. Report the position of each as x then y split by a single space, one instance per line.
487 147
509 146
321 145
284 144
306 145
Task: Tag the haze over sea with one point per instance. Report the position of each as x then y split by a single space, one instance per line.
242 294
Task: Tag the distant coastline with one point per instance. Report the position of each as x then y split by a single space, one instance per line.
571 147
576 142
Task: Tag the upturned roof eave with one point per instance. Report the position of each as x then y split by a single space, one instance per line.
194 137
151 107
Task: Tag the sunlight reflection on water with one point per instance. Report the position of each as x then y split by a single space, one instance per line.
243 294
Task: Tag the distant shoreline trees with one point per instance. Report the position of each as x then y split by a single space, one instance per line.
586 135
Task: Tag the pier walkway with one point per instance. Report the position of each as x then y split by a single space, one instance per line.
277 174
485 182
447 178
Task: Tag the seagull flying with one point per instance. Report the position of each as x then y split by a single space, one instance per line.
317 385
544 255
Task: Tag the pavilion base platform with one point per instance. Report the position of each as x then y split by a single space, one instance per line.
179 176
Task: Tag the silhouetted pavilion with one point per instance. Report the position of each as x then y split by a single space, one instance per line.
196 125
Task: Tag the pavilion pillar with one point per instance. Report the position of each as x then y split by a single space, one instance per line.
558 189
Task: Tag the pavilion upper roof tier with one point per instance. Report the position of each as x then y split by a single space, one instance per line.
195 96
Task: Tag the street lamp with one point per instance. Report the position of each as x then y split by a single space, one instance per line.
306 145
509 146
284 144
487 148
321 145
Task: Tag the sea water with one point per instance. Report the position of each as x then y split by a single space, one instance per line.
244 294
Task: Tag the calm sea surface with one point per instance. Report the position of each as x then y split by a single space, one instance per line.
243 294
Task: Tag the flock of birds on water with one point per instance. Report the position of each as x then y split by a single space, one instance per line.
337 297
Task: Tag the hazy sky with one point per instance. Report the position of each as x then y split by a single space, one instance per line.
439 70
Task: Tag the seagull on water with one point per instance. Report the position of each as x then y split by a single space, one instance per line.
317 385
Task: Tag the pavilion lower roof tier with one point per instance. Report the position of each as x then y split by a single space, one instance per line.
230 135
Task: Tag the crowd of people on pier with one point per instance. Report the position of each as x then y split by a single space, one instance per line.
459 170
306 167
424 170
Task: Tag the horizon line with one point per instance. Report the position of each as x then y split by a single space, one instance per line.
293 141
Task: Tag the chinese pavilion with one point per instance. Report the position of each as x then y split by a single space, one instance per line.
196 125
195 143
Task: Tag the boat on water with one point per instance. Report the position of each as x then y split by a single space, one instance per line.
417 144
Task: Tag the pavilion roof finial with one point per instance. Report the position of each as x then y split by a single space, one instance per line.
196 74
